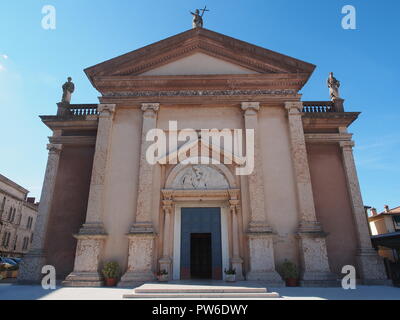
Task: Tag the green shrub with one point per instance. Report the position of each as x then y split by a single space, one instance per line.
111 270
288 270
230 271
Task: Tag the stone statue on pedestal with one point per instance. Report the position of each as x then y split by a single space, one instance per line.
198 18
333 85
68 89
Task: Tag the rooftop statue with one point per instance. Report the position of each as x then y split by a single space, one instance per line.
333 85
198 17
68 89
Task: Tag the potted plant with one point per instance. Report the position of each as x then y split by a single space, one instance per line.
111 273
289 272
230 275
162 275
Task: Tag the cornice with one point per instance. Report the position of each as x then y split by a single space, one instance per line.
327 137
138 85
73 140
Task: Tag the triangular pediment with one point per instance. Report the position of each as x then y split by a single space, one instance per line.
198 64
233 56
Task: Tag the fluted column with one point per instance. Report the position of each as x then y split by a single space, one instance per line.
141 235
31 266
166 260
92 234
236 260
313 251
260 236
370 264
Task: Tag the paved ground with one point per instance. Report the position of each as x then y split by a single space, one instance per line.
18 292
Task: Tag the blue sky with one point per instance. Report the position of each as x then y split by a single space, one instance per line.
35 62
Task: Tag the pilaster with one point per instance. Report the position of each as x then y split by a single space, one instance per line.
370 264
260 236
313 251
31 266
141 235
92 235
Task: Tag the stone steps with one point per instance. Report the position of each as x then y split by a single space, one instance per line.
181 291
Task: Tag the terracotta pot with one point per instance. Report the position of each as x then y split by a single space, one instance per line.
291 282
111 282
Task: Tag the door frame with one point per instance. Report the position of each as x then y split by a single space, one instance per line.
176 264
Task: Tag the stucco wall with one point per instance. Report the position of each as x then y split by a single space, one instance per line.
69 207
332 203
279 184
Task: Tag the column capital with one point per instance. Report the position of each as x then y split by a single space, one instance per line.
150 108
294 107
167 206
347 145
250 108
54 148
106 110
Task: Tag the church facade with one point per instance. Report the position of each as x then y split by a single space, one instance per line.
103 200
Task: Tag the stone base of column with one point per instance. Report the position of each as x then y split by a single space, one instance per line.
84 279
87 260
30 270
237 264
262 262
165 263
140 260
314 261
372 268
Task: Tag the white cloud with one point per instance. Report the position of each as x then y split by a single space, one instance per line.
4 56
2 68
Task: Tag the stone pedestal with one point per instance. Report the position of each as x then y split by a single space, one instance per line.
314 261
140 260
86 269
370 265
31 266
262 261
